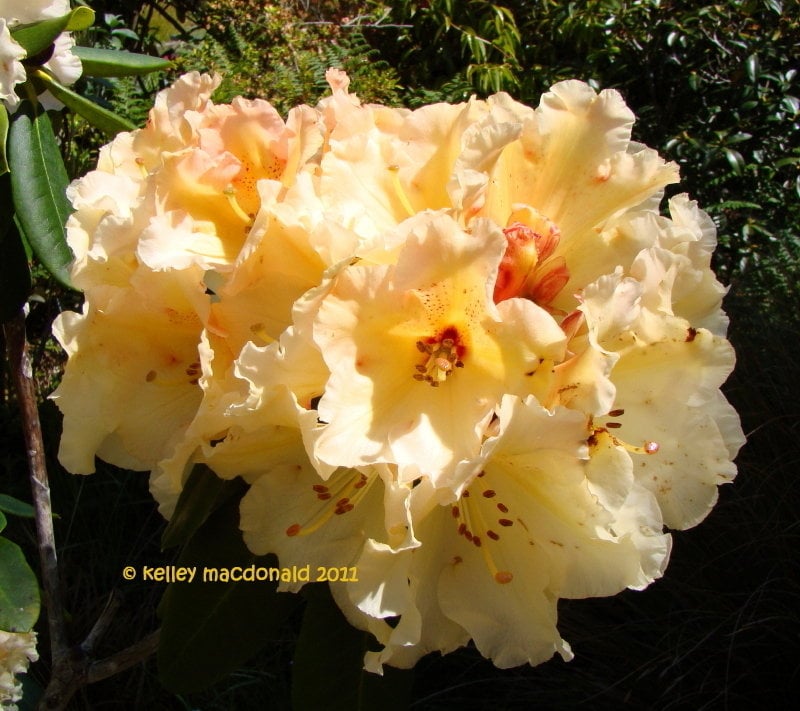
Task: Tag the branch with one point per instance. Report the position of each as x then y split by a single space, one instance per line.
125 659
22 375
72 667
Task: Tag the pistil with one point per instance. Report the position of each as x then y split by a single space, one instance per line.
444 355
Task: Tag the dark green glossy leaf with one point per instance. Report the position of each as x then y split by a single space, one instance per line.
210 628
739 137
16 507
735 160
2 521
15 274
39 181
38 36
752 67
113 63
19 590
328 665
203 492
107 121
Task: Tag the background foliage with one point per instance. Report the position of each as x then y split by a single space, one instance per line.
715 87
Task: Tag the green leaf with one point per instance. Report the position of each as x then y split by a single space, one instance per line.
203 492
101 118
39 181
113 63
752 67
38 36
16 507
81 18
15 273
328 665
3 138
3 521
210 628
735 160
19 590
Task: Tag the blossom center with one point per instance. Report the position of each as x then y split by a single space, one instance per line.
442 355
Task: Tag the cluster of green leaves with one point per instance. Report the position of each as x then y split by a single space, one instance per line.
436 41
280 51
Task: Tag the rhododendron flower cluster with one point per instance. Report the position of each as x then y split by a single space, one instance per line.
458 348
62 63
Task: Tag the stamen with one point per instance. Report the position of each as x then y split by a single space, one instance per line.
394 170
260 331
444 354
472 526
648 447
348 492
230 194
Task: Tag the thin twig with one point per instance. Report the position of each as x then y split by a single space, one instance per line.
22 375
103 622
125 659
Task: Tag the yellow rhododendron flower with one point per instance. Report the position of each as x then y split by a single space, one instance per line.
135 350
457 349
532 522
420 355
158 226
